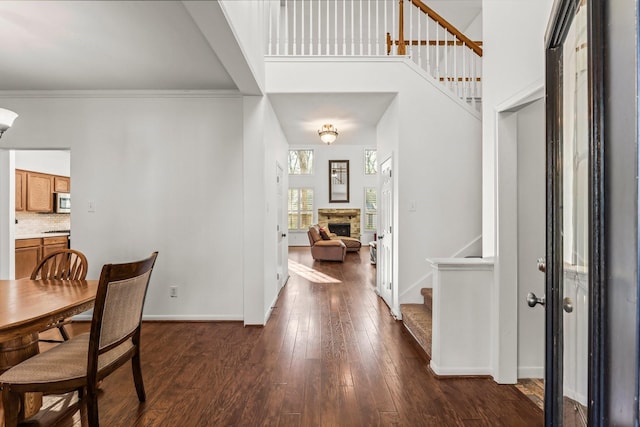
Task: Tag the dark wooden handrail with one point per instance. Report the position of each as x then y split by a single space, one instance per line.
430 42
402 43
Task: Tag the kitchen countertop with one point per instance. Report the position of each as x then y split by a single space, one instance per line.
40 235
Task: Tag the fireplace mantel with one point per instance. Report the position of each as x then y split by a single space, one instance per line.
333 216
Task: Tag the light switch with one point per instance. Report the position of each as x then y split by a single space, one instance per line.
413 205
91 206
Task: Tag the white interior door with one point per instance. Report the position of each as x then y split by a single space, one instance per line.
282 228
385 235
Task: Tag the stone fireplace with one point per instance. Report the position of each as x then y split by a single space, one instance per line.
341 216
340 228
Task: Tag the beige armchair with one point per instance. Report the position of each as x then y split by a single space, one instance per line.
325 250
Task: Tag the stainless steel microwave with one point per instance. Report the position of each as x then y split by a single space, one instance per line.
63 202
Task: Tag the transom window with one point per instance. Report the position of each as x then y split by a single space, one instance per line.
300 162
370 161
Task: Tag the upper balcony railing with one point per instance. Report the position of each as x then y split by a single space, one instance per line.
378 28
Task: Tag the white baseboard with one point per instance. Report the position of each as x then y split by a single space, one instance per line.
531 372
267 315
460 370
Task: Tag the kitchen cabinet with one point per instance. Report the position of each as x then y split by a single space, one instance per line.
61 184
21 190
51 244
34 190
30 251
39 192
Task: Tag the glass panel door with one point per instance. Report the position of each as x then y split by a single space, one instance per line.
575 299
574 186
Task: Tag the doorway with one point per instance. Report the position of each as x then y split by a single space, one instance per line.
48 172
281 228
386 287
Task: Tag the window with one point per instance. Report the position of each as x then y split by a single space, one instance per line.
300 162
370 208
370 161
300 208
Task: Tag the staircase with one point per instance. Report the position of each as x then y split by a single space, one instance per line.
416 318
379 28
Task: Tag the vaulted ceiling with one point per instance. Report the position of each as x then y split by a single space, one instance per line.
153 45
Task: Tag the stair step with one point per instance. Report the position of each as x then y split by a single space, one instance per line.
427 294
417 319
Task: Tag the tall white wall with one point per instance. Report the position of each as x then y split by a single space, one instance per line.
276 152
531 236
247 21
513 60
437 154
319 181
513 69
264 146
165 173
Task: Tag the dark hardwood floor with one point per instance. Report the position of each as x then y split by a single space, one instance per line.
331 355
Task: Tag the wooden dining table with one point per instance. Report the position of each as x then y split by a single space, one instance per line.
28 307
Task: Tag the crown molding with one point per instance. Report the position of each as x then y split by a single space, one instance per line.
120 94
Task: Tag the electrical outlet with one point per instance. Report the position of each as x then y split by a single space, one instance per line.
173 292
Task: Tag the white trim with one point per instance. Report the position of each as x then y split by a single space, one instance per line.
531 372
120 94
388 59
459 264
267 315
526 96
424 278
505 316
460 371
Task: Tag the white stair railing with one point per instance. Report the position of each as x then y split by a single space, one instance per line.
378 28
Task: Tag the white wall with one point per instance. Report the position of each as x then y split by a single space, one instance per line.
166 174
319 181
276 151
247 21
264 145
437 156
531 236
513 37
474 30
54 162
513 69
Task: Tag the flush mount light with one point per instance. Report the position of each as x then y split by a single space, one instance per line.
328 134
6 119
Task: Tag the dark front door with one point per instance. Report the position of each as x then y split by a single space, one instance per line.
574 306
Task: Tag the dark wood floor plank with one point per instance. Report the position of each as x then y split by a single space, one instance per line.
330 355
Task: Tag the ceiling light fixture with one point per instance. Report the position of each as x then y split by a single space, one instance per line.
6 119
328 134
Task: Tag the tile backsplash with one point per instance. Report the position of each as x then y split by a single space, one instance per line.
31 223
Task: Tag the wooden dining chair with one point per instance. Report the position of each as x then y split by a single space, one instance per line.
83 361
64 264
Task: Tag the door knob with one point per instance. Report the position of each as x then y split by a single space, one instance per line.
542 264
567 305
532 300
380 237
284 234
